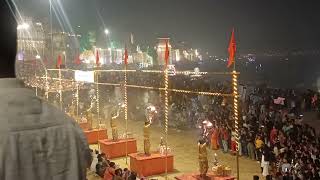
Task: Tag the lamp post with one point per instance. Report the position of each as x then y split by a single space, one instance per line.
107 32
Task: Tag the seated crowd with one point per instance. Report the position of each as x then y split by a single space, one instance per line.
108 170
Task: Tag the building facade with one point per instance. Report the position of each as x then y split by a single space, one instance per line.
30 39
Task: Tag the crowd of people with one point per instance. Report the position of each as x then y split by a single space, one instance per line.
272 133
271 120
108 170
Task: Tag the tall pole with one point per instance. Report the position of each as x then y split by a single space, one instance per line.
126 109
98 104
60 89
47 87
236 114
166 111
77 100
232 51
47 84
35 75
98 98
65 59
51 33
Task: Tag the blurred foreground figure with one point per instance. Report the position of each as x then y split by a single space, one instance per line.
37 141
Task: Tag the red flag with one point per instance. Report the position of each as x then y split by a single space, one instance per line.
78 61
167 54
126 56
232 49
97 58
59 61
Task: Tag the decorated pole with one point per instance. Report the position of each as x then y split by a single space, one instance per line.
126 101
232 54
166 105
98 98
36 89
47 85
96 74
35 75
236 114
77 100
60 89
60 81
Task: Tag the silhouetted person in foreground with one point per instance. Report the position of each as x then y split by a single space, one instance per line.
37 141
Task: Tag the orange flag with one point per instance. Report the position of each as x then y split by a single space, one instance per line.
167 54
126 56
232 50
97 58
59 61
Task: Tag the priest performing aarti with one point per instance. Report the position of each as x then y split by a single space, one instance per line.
150 112
205 127
113 122
203 158
89 118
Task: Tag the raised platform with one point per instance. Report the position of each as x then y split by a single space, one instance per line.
114 149
150 165
210 176
94 135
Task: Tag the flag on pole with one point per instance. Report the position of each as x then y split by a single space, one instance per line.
59 61
97 58
126 56
232 50
167 54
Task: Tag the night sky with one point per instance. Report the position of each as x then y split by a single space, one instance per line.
261 25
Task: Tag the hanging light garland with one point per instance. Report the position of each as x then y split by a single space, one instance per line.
160 89
155 71
60 88
166 113
77 99
235 105
98 98
126 110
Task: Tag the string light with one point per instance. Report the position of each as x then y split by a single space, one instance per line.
160 89
166 113
126 110
157 71
98 104
47 86
235 106
77 99
60 88
98 98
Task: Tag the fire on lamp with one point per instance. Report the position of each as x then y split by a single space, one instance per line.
205 126
150 112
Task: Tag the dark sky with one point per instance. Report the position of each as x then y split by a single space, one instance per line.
260 25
